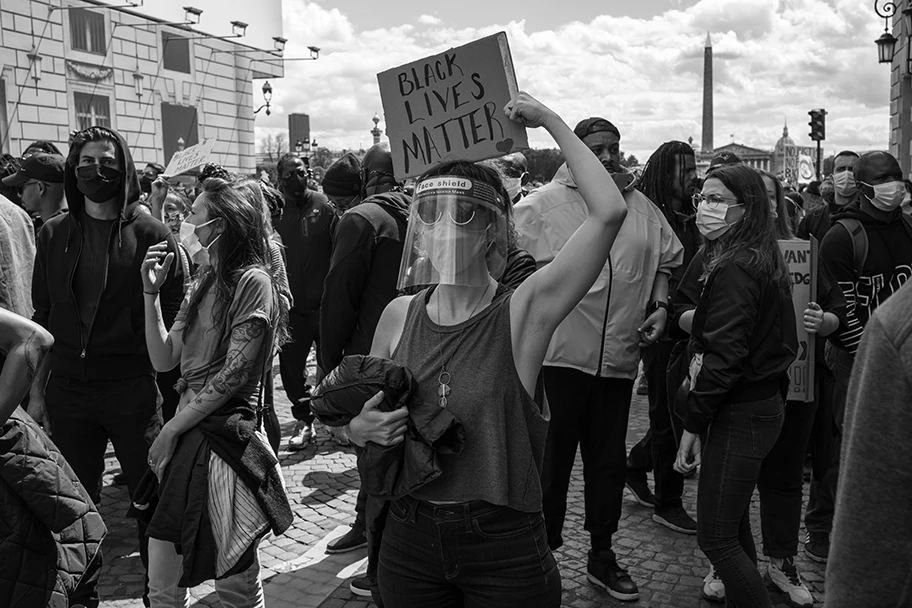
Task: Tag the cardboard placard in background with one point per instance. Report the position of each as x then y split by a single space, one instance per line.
801 258
450 107
190 158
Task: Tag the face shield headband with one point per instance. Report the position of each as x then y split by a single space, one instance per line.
457 234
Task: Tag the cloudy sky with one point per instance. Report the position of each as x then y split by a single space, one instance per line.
637 63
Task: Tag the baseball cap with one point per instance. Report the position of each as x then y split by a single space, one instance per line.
723 159
595 125
42 167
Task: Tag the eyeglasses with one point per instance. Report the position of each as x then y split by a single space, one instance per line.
713 200
460 212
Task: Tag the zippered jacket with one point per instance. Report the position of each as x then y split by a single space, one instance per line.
115 345
599 336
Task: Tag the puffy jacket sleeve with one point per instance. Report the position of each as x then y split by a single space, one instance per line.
732 302
31 465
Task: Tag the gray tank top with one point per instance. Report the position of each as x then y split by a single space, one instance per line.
505 429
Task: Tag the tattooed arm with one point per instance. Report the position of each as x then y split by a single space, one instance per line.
245 344
24 344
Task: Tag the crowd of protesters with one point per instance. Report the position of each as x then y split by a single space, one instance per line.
471 335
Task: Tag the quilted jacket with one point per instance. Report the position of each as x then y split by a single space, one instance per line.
390 471
49 528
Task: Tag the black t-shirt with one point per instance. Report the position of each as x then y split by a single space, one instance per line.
90 270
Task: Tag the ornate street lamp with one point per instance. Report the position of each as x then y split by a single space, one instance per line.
267 95
886 44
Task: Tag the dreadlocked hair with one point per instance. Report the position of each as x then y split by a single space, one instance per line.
243 245
754 234
659 176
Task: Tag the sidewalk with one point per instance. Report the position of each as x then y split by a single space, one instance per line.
322 486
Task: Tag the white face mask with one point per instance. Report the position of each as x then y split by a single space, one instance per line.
453 252
889 196
513 186
844 183
711 219
199 254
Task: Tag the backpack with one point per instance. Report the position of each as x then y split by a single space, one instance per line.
860 239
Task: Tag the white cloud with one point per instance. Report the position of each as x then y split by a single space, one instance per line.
429 20
774 61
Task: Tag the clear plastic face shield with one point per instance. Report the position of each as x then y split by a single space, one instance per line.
457 234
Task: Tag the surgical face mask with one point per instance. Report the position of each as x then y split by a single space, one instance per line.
97 183
844 183
199 253
513 186
889 196
711 219
453 251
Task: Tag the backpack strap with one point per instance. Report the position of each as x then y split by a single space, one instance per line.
859 242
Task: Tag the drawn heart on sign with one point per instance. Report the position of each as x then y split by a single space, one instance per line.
504 146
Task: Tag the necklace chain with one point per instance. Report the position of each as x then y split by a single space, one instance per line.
443 380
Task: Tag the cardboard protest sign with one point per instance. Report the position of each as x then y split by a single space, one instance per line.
190 158
450 107
801 258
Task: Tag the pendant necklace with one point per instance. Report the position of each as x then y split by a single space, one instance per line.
443 380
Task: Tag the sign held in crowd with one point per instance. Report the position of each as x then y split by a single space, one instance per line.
190 158
801 259
450 106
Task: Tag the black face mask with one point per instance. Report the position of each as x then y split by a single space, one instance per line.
99 184
295 185
145 184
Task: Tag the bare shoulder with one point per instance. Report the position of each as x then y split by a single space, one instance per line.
390 326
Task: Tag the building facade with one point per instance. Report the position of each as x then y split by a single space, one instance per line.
66 66
901 96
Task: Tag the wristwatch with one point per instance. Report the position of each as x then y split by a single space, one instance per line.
657 305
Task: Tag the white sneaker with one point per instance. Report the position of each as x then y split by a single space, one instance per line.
301 436
713 588
788 581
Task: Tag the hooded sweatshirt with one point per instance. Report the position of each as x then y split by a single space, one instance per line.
887 266
363 272
112 345
306 228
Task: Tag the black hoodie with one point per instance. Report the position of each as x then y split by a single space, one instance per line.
887 267
115 346
363 273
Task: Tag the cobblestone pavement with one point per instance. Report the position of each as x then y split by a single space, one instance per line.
322 487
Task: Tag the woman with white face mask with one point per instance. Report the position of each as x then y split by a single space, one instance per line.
475 535
735 301
213 476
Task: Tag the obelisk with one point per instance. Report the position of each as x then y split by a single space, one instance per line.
707 142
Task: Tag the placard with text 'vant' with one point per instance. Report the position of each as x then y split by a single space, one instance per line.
450 107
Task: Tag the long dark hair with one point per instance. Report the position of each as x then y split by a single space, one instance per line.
783 222
753 234
243 245
659 175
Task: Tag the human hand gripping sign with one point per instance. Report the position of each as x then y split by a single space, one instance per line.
813 318
155 266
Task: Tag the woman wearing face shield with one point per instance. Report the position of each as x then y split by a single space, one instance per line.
216 480
475 536
735 301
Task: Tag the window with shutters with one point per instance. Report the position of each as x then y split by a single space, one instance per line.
87 31
175 52
92 110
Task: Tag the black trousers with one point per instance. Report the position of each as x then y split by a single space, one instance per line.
657 449
84 416
304 326
781 480
589 412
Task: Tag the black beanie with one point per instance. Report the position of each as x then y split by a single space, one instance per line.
343 178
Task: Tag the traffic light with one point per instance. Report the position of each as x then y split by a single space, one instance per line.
818 124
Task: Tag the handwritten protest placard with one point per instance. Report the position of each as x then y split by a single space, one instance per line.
801 258
450 107
190 158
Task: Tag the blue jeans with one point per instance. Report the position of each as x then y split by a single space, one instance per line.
740 437
470 554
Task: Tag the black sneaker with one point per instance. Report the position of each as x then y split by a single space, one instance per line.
817 546
360 586
639 487
676 519
353 539
604 571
